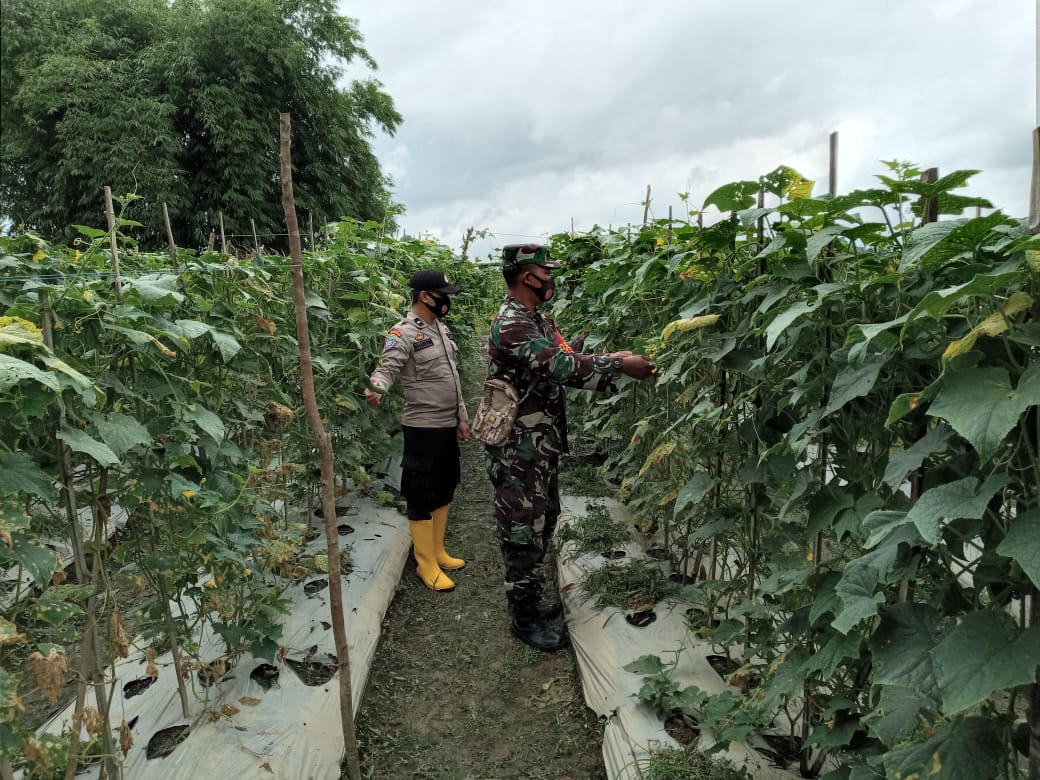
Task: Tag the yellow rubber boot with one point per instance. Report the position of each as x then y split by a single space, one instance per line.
426 556
440 524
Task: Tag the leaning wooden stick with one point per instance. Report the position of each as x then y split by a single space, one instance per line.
324 443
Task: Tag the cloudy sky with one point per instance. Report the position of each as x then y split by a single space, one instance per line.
519 116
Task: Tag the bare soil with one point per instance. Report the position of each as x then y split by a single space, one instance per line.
452 694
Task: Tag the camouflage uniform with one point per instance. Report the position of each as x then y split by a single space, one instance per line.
526 350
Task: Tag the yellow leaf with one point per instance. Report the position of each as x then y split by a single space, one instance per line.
688 324
802 189
669 497
993 325
1019 301
40 255
657 457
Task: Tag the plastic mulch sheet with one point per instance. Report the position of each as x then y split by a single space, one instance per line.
604 642
263 720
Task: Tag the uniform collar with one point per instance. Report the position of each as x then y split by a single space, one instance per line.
418 322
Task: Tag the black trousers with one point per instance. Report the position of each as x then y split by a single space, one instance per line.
430 469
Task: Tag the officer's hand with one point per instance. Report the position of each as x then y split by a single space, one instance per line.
463 432
374 399
637 367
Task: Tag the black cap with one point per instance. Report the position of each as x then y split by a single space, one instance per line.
432 279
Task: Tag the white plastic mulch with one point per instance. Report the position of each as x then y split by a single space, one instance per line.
604 642
241 729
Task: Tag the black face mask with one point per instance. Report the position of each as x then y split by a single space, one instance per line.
545 291
442 306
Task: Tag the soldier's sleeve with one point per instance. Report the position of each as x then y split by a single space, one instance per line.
395 355
520 340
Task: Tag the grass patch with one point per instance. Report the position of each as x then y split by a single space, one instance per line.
632 585
676 764
595 531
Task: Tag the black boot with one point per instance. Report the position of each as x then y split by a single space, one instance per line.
529 627
547 610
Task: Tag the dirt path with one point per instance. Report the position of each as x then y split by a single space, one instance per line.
452 695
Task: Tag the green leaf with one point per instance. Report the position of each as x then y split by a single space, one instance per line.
226 343
121 432
80 441
984 653
900 464
645 664
938 302
901 649
190 329
137 337
1022 544
153 287
19 333
852 383
733 196
833 653
39 561
898 714
53 609
784 319
981 406
970 749
858 599
20 474
821 239
78 380
924 238
693 491
964 498
13 370
208 422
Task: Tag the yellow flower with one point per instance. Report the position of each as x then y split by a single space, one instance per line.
40 255
247 572
188 494
210 584
660 242
88 295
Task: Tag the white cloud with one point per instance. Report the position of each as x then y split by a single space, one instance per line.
519 117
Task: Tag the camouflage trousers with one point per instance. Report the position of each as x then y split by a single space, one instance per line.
527 507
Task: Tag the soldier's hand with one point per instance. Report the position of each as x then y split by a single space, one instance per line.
579 343
637 367
463 431
622 354
374 399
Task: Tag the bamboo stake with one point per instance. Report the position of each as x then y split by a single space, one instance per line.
111 215
256 241
169 236
212 240
324 443
1034 187
646 205
669 226
466 241
223 239
832 179
310 224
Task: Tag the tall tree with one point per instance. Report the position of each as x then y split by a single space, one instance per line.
179 102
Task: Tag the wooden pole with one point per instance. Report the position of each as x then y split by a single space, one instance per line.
930 203
832 177
110 213
646 205
256 241
223 240
169 236
572 227
466 240
324 443
1034 187
310 224
212 240
669 225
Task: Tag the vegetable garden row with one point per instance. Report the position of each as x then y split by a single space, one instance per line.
172 395
841 454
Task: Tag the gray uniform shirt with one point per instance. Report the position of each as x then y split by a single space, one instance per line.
426 358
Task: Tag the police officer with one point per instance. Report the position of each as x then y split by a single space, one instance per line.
526 350
421 351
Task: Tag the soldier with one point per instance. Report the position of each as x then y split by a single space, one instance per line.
527 350
421 350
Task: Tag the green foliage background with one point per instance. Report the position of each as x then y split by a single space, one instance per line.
179 102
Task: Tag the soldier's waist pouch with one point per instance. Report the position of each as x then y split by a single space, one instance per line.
496 415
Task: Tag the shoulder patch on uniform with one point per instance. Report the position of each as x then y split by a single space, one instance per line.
418 321
391 342
395 332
